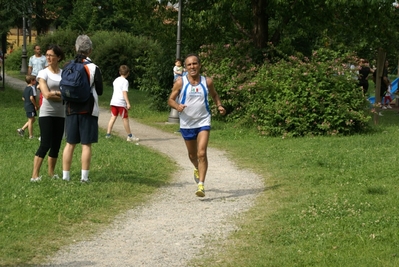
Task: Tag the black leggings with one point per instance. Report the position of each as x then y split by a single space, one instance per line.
51 133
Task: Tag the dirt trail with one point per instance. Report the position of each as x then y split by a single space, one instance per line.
172 228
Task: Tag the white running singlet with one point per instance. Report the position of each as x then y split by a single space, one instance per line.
196 114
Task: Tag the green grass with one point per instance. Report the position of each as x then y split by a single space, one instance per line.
37 218
329 201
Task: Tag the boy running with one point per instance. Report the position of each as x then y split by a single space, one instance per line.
120 103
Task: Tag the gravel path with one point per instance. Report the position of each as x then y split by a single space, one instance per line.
173 227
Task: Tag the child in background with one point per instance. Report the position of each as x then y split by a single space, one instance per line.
387 99
29 98
120 103
177 70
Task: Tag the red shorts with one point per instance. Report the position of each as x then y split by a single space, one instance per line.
122 111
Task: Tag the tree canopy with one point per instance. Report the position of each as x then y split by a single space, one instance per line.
295 26
247 46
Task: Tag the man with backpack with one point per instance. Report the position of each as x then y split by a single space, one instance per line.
81 114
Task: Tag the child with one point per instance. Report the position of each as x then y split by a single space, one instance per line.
177 70
29 98
387 99
120 103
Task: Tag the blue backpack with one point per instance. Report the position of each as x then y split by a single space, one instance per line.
75 82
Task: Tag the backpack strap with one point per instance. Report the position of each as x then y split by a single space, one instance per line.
87 69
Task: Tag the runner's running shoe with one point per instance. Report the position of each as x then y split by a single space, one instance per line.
196 175
200 191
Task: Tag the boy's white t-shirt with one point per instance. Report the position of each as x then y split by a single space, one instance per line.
120 85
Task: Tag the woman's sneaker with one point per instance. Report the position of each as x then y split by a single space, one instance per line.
37 179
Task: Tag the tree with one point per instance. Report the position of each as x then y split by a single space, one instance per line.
293 25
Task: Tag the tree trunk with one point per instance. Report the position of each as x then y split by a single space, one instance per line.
260 23
380 69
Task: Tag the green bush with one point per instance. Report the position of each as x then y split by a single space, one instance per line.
230 66
292 97
14 60
63 38
60 37
306 97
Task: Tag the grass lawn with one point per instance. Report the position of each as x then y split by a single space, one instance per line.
37 218
329 201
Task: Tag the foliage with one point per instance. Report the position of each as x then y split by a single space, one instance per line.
12 13
339 25
230 66
293 97
14 61
294 26
145 58
306 97
113 49
63 38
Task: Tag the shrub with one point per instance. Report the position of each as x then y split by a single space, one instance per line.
306 97
291 97
230 66
113 49
14 61
143 56
63 38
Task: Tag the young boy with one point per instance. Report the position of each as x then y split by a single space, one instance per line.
177 70
120 103
29 98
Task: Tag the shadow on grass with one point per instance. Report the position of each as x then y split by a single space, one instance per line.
132 177
377 190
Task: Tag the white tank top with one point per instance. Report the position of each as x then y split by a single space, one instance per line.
196 114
